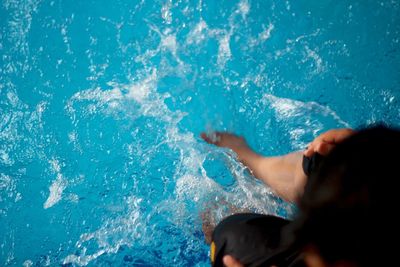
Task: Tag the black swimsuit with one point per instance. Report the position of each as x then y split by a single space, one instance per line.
256 239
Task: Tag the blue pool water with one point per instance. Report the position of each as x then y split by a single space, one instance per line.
102 103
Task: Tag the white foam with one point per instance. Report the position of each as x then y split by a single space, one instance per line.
27 263
305 36
166 13
83 260
169 42
18 27
6 182
244 8
140 91
40 108
312 54
73 198
194 187
126 230
55 165
97 98
58 185
262 36
18 197
286 107
198 34
192 184
304 117
224 50
13 98
56 189
98 95
8 189
5 158
73 136
201 32
64 34
266 34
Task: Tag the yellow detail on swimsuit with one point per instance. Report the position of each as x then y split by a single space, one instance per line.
212 254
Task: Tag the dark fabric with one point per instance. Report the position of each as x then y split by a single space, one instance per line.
253 239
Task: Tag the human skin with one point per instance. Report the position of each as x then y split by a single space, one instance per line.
284 174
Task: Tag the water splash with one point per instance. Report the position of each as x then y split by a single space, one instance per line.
127 230
302 117
192 186
119 97
56 189
18 29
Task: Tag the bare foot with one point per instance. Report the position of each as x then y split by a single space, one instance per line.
228 140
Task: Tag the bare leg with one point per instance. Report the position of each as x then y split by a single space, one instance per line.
284 174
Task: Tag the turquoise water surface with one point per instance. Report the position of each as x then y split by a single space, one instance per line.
102 104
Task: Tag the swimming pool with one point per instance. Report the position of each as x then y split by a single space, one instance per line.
102 105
